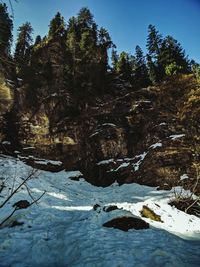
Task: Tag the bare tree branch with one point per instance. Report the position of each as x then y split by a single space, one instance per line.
15 191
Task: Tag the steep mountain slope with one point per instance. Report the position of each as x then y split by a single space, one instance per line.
124 126
149 136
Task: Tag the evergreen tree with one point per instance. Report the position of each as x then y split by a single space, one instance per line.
172 57
141 71
6 26
72 48
57 26
23 45
38 40
152 70
124 67
87 49
104 43
85 19
154 41
114 59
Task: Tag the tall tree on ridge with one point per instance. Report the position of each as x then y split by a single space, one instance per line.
154 42
57 26
172 57
23 45
141 71
6 26
124 67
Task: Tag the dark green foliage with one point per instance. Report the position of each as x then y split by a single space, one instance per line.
152 70
73 60
57 26
23 47
172 57
165 56
87 54
6 26
141 71
38 40
85 19
154 41
124 66
114 59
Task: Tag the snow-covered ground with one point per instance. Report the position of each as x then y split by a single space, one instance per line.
65 230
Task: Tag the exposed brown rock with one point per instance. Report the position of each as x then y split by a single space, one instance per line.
21 204
127 223
149 213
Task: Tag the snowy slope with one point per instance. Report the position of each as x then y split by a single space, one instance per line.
65 230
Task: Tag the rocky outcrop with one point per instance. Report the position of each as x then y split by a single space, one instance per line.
127 223
149 136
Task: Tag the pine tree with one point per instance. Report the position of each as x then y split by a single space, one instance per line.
24 42
152 70
57 26
104 43
85 19
154 41
38 40
141 71
172 57
87 53
114 59
6 26
124 67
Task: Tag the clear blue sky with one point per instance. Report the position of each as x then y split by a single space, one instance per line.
126 20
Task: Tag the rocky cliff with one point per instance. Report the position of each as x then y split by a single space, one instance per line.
149 136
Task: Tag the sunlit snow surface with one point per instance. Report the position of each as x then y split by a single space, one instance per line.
64 230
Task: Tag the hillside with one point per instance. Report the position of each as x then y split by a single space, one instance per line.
99 155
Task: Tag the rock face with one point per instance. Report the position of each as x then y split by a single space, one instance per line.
149 136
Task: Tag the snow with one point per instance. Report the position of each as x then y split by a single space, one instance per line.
42 161
10 81
65 230
176 136
141 157
103 162
123 165
46 162
109 124
6 143
184 176
94 134
54 94
28 147
156 145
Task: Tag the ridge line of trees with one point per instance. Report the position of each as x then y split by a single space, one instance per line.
80 50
